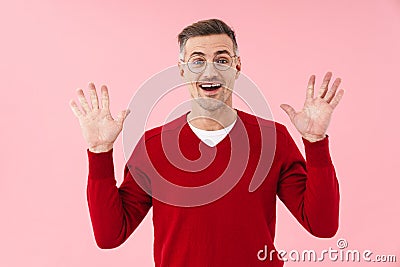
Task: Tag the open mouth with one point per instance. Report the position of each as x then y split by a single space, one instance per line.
210 86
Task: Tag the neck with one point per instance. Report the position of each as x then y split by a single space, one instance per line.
212 120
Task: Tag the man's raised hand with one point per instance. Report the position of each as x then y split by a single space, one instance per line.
99 128
313 120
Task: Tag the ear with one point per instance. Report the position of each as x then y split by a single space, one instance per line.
238 67
181 70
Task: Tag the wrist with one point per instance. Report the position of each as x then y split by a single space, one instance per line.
101 148
313 138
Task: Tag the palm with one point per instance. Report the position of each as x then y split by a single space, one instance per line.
99 128
313 120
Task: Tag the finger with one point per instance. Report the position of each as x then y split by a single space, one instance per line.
310 87
122 115
289 110
105 99
93 96
78 113
82 100
325 83
336 99
331 93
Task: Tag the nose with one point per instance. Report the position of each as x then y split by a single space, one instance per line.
210 71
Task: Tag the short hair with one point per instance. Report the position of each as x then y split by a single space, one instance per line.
204 28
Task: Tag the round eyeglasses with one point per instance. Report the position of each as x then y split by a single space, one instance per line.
198 63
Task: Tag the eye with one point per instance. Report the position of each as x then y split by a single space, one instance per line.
197 61
222 60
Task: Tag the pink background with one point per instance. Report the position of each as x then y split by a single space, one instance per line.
50 48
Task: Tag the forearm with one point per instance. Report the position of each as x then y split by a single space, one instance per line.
104 201
321 197
115 212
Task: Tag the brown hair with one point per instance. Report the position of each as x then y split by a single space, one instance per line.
204 28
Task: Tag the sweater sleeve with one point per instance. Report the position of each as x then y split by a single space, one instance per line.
115 212
309 189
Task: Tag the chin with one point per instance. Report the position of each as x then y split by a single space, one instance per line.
210 104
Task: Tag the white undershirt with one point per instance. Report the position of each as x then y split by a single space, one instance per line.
212 138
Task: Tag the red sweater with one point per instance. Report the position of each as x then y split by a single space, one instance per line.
232 228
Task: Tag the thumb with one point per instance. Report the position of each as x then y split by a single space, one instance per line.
122 116
289 110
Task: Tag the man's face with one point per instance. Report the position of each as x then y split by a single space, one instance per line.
214 59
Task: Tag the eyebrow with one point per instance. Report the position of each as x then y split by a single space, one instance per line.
222 52
219 52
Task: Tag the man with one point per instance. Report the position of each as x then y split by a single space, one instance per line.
202 227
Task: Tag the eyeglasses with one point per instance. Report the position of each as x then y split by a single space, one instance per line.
198 63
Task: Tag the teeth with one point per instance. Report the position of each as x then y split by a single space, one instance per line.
214 85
